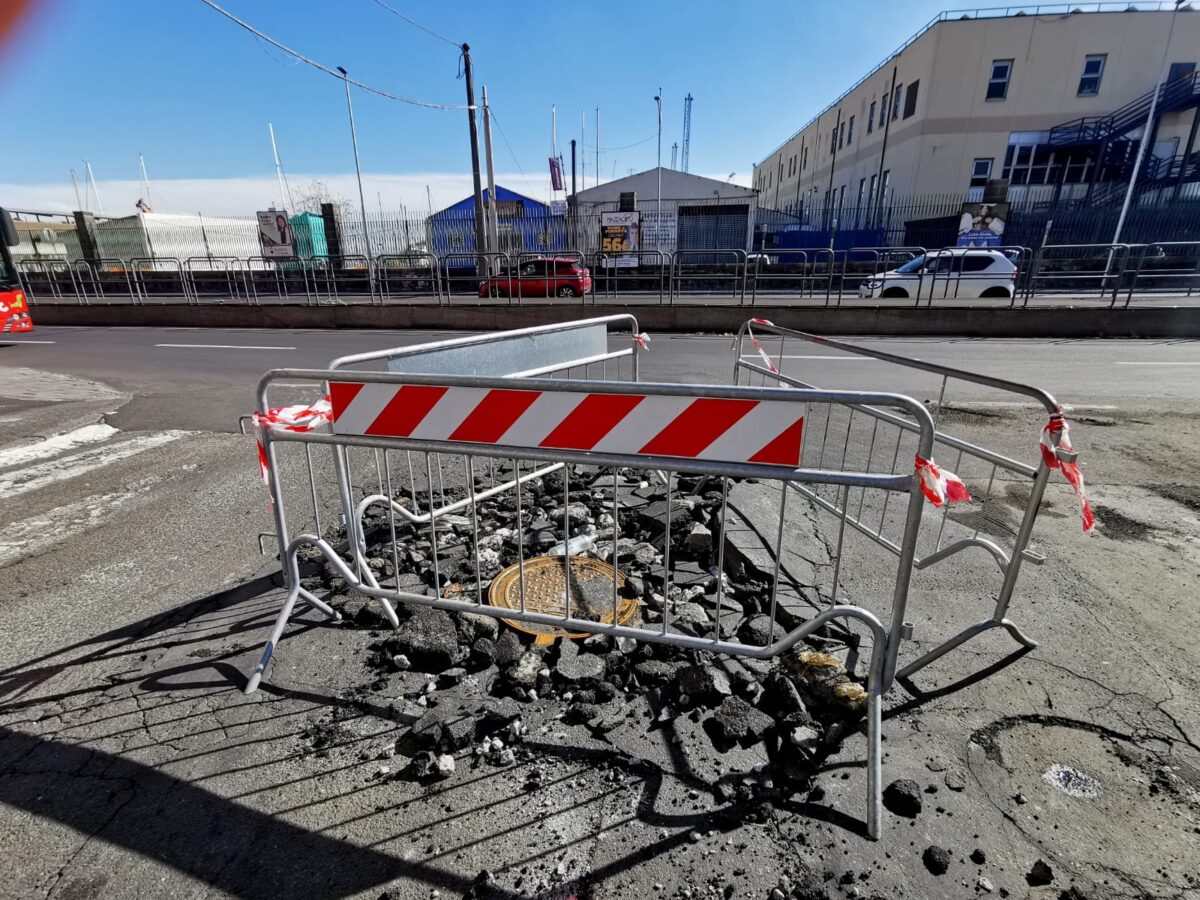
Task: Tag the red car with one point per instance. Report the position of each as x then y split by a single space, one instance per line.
544 277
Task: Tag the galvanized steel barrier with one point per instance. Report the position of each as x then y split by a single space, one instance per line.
915 545
451 424
1096 274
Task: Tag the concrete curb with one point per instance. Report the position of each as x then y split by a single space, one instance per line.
1064 322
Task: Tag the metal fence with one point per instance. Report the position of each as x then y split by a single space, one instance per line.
1113 275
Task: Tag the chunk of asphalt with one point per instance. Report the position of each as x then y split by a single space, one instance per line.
903 797
936 859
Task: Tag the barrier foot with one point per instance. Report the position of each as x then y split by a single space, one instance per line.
961 638
276 633
321 605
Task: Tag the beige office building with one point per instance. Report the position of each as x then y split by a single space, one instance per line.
1056 104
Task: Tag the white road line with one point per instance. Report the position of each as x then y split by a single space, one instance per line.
32 478
11 341
56 446
223 347
36 535
835 358
1158 363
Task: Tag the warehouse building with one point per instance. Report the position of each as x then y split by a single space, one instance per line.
1045 103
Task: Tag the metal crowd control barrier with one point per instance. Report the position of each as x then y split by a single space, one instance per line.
283 273
953 269
49 271
463 269
531 284
1064 265
777 267
722 258
168 266
1188 252
605 266
466 436
904 536
881 259
220 276
408 276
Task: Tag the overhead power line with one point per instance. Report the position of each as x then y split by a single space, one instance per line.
328 71
623 146
528 185
415 24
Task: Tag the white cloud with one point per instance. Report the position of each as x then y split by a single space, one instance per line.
243 196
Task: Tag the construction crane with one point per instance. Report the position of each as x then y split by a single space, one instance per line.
687 132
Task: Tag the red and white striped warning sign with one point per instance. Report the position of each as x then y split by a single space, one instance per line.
711 428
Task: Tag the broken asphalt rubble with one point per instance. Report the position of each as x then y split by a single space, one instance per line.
460 681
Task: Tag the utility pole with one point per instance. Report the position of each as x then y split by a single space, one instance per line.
480 233
658 203
596 174
493 217
573 167
362 202
674 153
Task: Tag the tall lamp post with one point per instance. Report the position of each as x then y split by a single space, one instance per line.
658 228
362 203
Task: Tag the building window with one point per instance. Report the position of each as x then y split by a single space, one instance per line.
1093 70
997 88
896 101
883 187
1180 70
871 192
841 135
850 132
833 141
981 171
871 118
883 103
910 99
804 159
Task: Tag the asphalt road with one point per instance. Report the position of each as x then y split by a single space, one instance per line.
133 602
205 378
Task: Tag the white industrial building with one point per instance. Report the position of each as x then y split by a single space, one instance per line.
696 212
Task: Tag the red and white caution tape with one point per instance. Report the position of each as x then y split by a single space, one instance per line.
940 486
759 347
1057 428
642 340
298 417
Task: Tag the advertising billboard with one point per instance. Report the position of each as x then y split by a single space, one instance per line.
620 234
982 224
275 233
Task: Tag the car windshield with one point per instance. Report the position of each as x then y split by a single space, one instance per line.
913 265
8 278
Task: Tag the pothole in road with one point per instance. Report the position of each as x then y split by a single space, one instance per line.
1065 783
1118 526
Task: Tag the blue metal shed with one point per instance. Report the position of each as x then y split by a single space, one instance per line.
525 226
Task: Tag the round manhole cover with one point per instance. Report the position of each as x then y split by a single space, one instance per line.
545 585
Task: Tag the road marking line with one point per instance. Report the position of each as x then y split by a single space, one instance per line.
224 347
32 478
1158 363
11 341
837 358
56 445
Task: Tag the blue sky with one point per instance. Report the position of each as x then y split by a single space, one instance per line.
107 79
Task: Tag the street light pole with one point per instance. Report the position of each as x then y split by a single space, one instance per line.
1147 130
658 203
362 203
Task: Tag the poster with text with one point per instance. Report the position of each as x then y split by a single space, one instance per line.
275 233
620 236
982 224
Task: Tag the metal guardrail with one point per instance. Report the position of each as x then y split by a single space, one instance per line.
1095 273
